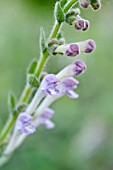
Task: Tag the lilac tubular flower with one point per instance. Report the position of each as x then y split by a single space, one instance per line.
76 68
70 50
67 85
84 3
49 84
24 123
45 118
87 46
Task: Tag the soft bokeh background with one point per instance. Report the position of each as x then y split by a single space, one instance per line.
83 137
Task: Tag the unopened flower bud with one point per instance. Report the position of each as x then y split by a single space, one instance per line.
53 42
87 46
96 4
84 3
62 41
52 45
76 68
79 24
68 49
72 13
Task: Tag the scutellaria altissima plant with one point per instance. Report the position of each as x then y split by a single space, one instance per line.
42 89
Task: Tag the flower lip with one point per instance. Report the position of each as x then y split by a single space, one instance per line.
24 123
69 83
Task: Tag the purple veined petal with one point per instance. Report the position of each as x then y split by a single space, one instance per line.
49 81
47 113
28 129
72 94
79 68
52 91
79 25
24 117
72 50
90 46
24 123
87 46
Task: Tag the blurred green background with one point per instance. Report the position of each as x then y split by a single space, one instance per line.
83 137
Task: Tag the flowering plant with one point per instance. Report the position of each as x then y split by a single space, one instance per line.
42 89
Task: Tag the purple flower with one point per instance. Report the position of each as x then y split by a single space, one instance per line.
68 49
87 46
45 118
24 123
49 84
67 85
84 3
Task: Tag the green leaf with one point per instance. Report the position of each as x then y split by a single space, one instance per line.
63 3
42 41
11 102
32 66
59 14
32 80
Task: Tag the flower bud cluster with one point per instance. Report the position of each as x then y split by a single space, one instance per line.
73 18
95 4
74 49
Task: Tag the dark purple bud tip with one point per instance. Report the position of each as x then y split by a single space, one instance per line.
80 67
90 46
72 50
86 25
79 25
96 6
